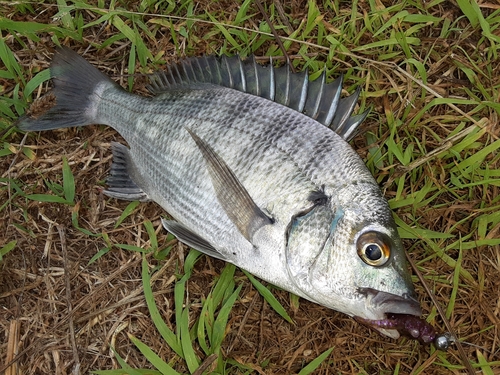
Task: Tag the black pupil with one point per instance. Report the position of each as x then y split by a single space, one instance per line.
373 252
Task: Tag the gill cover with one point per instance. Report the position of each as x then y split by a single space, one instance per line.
307 237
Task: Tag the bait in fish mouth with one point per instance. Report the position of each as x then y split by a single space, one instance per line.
253 163
412 327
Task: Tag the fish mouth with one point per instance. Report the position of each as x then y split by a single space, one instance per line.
384 306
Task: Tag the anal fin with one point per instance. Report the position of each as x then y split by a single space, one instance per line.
190 238
120 183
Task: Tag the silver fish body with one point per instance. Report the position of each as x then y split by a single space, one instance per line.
248 180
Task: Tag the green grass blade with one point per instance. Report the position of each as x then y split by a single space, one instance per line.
485 366
313 17
386 42
200 329
8 247
153 240
124 28
68 181
395 19
422 71
314 364
127 212
152 357
225 32
186 343
456 279
131 67
242 15
269 297
134 36
189 263
36 81
9 60
163 329
478 157
65 15
47 198
451 262
128 370
99 254
76 225
224 283
141 371
125 246
179 289
467 8
406 231
219 331
209 317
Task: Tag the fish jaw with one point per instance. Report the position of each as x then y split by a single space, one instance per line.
381 304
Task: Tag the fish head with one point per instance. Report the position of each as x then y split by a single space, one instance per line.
347 255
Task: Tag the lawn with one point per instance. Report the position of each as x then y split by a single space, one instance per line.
89 283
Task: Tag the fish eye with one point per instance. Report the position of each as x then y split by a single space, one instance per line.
373 249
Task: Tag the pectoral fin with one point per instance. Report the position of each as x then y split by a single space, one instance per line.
232 195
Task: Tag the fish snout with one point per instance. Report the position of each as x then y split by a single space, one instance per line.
392 303
383 305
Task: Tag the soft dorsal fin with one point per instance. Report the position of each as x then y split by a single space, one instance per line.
316 99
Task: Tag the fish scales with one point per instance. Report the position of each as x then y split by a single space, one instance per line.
250 180
174 141
225 127
275 133
170 178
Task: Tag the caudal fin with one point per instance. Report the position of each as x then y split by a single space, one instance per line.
74 99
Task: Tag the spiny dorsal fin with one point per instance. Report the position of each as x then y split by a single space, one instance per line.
316 99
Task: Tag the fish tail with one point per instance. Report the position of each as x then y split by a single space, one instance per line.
78 87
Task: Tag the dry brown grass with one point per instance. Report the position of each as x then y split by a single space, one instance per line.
47 286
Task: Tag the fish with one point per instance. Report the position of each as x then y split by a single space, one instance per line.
253 165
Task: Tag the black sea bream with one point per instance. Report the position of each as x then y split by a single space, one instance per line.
244 159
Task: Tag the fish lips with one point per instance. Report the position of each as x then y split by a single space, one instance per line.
388 303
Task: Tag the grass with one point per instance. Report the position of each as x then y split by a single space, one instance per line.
140 301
